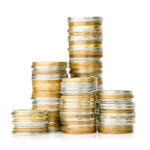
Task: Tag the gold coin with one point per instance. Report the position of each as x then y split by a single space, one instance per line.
78 130
79 79
45 92
49 63
115 96
45 107
62 116
30 117
85 33
86 71
54 125
77 103
84 42
30 130
91 122
84 24
55 82
53 116
46 88
116 111
77 109
46 95
47 72
85 63
99 66
116 130
86 45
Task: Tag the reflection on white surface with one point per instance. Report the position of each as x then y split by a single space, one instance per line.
68 137
116 136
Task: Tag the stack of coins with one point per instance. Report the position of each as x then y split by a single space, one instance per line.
77 107
117 114
85 47
28 121
46 79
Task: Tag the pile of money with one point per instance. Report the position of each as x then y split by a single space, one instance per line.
85 47
29 121
77 108
117 114
46 79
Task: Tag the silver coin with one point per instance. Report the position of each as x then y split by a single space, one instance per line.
85 38
84 60
85 19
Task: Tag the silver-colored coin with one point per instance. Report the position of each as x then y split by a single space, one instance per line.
85 19
85 38
50 68
84 60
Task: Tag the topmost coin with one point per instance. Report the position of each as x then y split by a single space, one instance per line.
85 19
49 63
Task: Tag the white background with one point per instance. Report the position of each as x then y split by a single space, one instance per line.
36 30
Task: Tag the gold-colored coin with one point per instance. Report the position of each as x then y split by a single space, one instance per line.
77 109
91 122
85 63
85 54
53 82
49 63
47 72
85 33
116 130
53 116
54 125
79 79
86 71
75 116
46 95
78 130
77 103
115 95
84 42
30 117
46 88
99 66
30 130
86 45
45 107
45 92
84 24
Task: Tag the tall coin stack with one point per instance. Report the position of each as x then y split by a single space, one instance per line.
77 105
85 47
29 121
117 114
46 79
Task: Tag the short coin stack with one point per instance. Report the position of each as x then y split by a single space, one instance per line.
77 107
28 121
85 47
117 114
46 79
